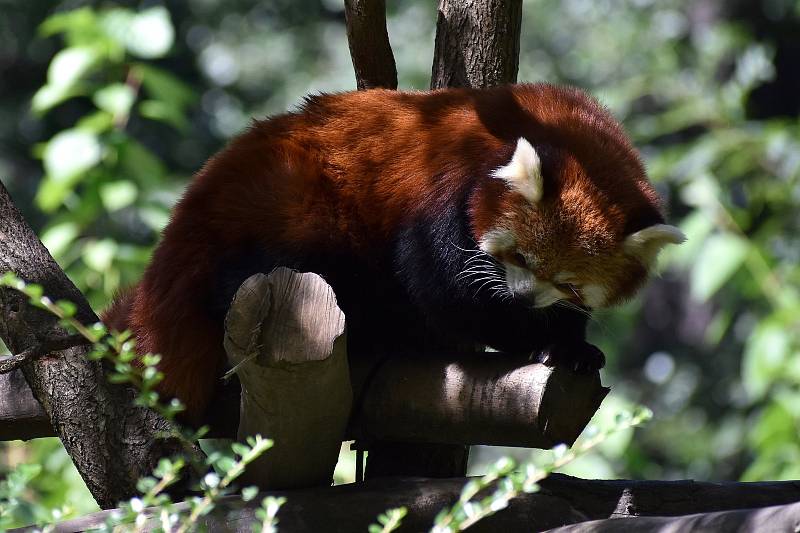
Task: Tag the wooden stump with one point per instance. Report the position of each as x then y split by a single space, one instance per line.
284 337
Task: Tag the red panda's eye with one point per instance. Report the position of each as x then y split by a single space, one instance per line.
518 259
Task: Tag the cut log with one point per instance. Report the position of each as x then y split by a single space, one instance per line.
283 336
487 398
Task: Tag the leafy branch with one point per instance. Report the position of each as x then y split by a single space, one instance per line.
511 480
126 366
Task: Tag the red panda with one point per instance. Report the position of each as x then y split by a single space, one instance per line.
498 216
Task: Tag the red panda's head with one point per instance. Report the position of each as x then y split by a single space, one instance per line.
576 219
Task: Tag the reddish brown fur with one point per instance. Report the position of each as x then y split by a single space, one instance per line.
348 169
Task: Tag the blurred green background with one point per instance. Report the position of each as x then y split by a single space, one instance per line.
107 108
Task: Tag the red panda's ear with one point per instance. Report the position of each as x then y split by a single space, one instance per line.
524 172
646 243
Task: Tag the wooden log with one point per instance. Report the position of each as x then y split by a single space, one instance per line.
373 60
489 399
284 337
624 497
21 416
775 519
485 398
347 508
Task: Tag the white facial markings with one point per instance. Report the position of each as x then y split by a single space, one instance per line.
594 295
524 172
520 281
496 240
546 294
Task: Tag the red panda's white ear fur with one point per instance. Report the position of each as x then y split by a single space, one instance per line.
524 172
646 243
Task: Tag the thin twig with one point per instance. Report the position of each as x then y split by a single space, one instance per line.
49 345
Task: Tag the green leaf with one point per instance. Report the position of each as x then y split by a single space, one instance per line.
66 70
240 449
248 493
116 99
48 96
98 255
67 156
151 34
116 24
51 194
69 64
139 164
697 226
156 217
70 153
163 112
765 355
66 307
97 122
82 19
163 86
716 262
118 194
59 237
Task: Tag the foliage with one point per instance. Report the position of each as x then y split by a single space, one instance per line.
389 521
510 480
96 171
118 350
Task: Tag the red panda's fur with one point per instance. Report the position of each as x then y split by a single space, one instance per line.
343 173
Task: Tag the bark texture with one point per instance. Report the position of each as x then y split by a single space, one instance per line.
348 508
370 50
477 43
111 442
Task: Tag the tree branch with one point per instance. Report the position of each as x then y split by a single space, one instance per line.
477 43
352 507
370 50
55 344
111 442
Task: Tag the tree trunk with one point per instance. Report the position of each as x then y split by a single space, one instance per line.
111 442
477 43
370 50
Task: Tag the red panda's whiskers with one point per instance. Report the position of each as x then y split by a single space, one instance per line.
569 305
464 274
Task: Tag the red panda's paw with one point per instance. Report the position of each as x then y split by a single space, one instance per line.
578 356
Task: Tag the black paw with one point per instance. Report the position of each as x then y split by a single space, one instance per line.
580 357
